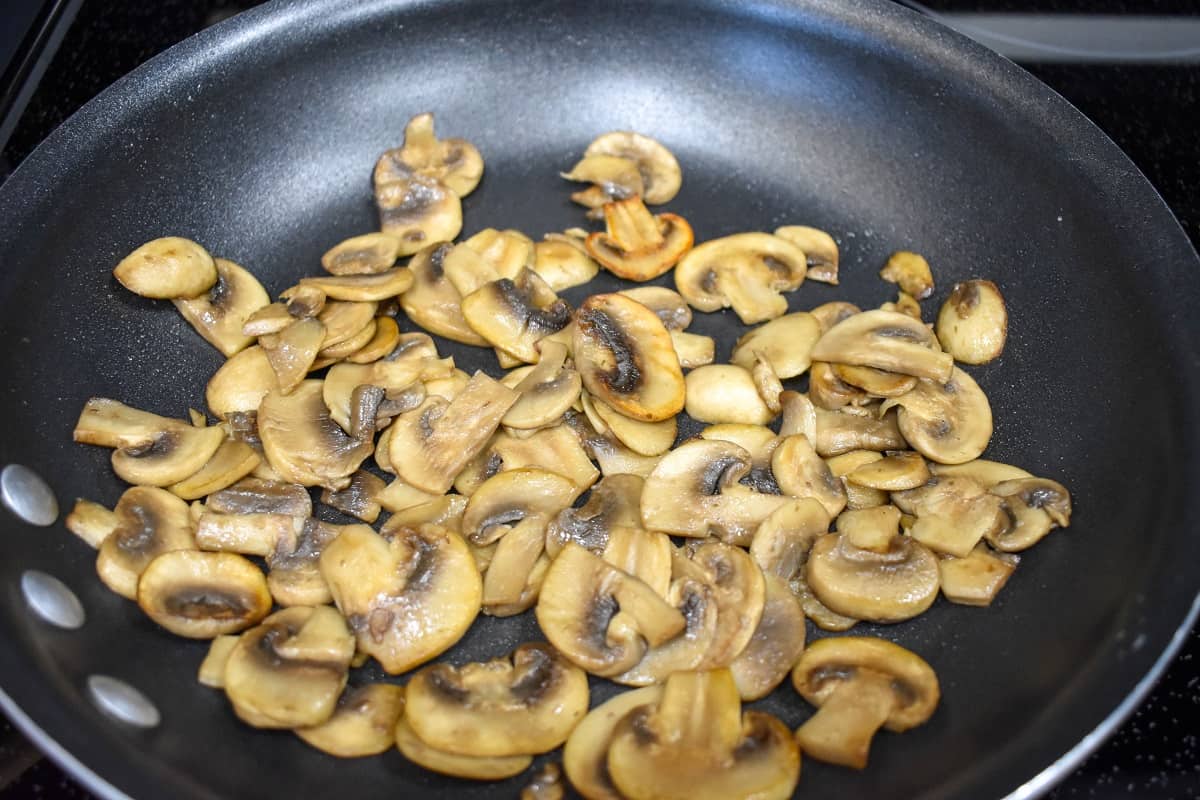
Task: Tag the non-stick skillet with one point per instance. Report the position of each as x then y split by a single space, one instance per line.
256 138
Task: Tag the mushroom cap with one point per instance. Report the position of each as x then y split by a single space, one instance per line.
585 754
614 502
625 357
886 340
303 443
240 384
167 268
408 597
477 768
786 342
891 586
432 301
949 422
973 322
219 314
818 246
725 393
201 595
169 456
638 245
659 170
363 722
513 314
150 522
775 645
746 271
455 162
520 704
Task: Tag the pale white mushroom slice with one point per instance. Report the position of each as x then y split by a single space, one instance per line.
455 162
973 322
692 349
785 342
948 422
746 272
168 268
555 449
725 393
984 472
667 304
833 312
372 287
292 351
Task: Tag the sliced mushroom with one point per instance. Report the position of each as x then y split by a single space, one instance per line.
829 391
886 340
384 341
857 496
739 591
212 668
612 178
889 586
645 438
397 375
360 499
646 555
169 456
667 304
819 246
432 301
976 579
302 441
875 382
371 287
831 313
894 473
506 252
219 315
911 272
870 528
614 502
1034 507
695 598
256 533
233 461
692 349
292 351
840 431
554 449
289 671
613 457
947 422
638 245
344 321
150 522
202 595
363 722
725 393
563 262
241 383
167 268
625 357
905 304
254 496
455 162
520 704
514 314
417 211
294 561
986 473
775 646
477 768
860 684
767 382
799 472
408 597
369 254
746 272
93 523
696 744
547 390
786 343
271 318
660 173
585 754
973 323
446 511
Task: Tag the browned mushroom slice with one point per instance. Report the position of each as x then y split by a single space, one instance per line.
169 456
695 599
241 383
417 211
585 753
646 555
514 314
212 668
976 579
746 272
219 315
432 301
446 511
150 522
829 391
614 502
860 684
612 178
523 703
233 461
360 499
911 272
973 323
256 533
799 472
363 722
506 252
638 245
563 262
891 585
657 167
93 523
396 374
840 431
477 768
725 393
875 382
818 246
697 744
369 254
948 422
384 341
986 473
289 671
905 304
830 314
407 598
625 357
202 595
857 496
1034 507
786 343
304 302
344 321
302 441
167 268
295 577
886 340
455 162
667 304
894 473
292 351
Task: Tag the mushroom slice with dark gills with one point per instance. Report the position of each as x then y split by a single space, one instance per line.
254 496
785 342
360 499
948 422
638 245
150 522
167 268
598 616
800 472
614 502
292 351
514 314
757 440
860 684
886 340
606 164
290 670
432 301
1034 507
294 577
952 514
201 595
910 271
625 357
219 314
408 597
612 178
746 272
398 375
695 491
585 754
697 744
434 441
363 722
829 391
455 162
818 246
303 443
521 704
547 390
973 323
417 211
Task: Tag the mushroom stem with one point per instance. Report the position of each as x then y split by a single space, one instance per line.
841 731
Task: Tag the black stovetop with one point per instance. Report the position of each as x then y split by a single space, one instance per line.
1148 105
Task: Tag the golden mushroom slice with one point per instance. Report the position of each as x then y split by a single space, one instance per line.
219 315
384 341
660 173
432 301
911 272
417 211
612 178
93 523
295 575
446 511
455 162
521 704
829 391
645 555
746 272
846 463
506 252
599 617
725 393
169 456
696 744
397 376
948 422
554 449
585 754
372 287
831 313
818 246
692 349
1034 506
271 318
694 598
976 579
233 461
614 502
973 323
241 383
515 314
894 473
613 457
369 254
289 671
111 423
952 514
407 597
150 522
667 304
695 491
984 472
875 382
625 357
860 684
786 343
201 595
638 245
842 430
546 390
905 304
167 268
344 321
885 340
254 496
476 768
774 647
799 472
563 261
303 443
757 440
644 438
363 722
212 668
292 351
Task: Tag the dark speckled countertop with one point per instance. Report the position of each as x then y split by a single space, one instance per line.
1150 110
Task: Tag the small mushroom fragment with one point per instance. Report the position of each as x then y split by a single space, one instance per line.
767 382
432 301
911 272
613 457
860 684
398 375
233 461
973 323
520 704
625 357
360 499
271 318
894 473
818 246
646 555
696 744
554 450
167 268
294 561
241 383
292 351
302 441
692 349
585 754
831 313
659 171
363 722
546 390
644 438
638 245
667 304
725 393
514 314
455 162
775 645
875 382
746 271
304 302
289 671
212 668
417 210
219 315
599 617
885 340
476 768
369 254
150 522
976 579
370 287
407 597
201 595
1034 506
799 472
93 523
615 502
563 262
948 422
905 304
546 784
857 496
786 343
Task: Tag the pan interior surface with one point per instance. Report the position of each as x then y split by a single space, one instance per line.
257 139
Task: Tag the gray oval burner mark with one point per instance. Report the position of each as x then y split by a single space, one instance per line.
52 600
122 702
27 495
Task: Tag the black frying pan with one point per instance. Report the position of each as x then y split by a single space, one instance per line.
257 139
